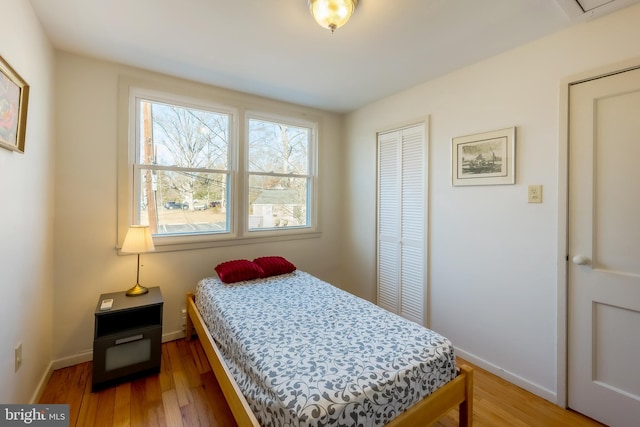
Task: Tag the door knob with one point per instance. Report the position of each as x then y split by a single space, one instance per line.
580 260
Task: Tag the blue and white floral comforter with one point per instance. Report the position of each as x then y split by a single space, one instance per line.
305 353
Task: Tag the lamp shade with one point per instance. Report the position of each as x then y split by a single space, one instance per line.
332 14
138 240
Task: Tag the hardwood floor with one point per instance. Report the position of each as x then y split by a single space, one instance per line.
185 393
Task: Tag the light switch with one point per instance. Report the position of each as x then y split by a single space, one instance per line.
535 194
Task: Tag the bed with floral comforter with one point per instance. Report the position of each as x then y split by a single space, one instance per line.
305 353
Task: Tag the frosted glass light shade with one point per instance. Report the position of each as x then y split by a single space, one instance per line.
332 14
138 240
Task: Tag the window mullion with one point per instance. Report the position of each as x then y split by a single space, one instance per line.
180 169
280 175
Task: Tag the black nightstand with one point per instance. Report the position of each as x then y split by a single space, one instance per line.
128 338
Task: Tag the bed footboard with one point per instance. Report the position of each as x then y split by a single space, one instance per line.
457 392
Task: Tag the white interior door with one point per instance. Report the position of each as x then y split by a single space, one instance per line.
604 249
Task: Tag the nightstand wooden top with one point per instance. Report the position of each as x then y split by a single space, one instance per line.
122 302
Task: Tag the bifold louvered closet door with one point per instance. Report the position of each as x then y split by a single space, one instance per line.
402 214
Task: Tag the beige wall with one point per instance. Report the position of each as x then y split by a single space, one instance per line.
26 226
86 260
493 266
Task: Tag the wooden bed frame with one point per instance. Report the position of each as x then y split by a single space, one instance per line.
457 392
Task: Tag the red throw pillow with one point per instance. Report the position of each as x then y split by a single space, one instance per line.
238 270
274 265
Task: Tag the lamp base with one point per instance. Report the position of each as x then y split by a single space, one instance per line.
137 290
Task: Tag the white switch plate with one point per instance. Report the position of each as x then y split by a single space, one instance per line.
535 194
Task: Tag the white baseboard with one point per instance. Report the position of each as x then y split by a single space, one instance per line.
536 389
42 384
172 336
87 355
65 362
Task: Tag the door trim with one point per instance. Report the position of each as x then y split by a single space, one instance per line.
563 214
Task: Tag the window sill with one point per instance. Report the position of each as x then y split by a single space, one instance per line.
172 244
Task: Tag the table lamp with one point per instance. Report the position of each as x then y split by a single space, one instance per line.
138 240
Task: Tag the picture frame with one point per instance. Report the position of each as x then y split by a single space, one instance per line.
14 100
486 158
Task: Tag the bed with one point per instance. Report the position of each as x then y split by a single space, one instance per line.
293 350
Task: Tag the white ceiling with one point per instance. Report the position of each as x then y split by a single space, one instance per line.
275 49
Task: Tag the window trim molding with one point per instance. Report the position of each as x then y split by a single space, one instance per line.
171 91
137 93
312 173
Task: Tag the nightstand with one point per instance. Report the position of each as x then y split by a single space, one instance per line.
127 338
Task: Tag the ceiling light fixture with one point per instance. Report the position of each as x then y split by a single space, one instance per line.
332 14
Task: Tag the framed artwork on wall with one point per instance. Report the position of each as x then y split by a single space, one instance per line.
14 99
484 158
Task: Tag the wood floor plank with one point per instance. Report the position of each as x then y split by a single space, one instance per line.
202 407
186 393
52 392
199 357
138 402
88 407
172 413
174 355
155 416
106 408
182 388
154 408
153 390
190 416
165 377
81 377
189 363
220 410
122 407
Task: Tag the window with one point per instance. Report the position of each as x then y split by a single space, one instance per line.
181 170
280 174
202 174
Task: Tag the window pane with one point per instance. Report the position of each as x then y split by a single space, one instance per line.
276 202
184 202
278 148
184 137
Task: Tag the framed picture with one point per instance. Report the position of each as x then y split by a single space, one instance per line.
14 98
484 158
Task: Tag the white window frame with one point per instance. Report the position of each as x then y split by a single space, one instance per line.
130 88
312 175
